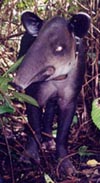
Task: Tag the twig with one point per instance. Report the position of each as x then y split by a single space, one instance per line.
11 165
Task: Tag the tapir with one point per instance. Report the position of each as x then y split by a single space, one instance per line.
52 72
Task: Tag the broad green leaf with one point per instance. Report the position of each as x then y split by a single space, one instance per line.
4 82
1 98
6 109
25 98
96 112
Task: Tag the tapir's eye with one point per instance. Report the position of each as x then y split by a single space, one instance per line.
59 49
57 46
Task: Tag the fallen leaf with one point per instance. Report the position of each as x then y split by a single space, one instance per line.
92 163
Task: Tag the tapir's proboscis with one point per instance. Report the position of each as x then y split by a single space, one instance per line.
52 72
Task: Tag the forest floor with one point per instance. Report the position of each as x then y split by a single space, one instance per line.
83 146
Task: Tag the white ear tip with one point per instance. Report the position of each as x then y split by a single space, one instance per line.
83 13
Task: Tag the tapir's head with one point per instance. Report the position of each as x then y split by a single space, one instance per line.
52 54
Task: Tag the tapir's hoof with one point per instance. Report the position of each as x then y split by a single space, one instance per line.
65 167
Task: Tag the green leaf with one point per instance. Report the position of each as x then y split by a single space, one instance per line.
96 112
14 66
1 98
75 121
6 109
54 133
25 98
82 150
4 82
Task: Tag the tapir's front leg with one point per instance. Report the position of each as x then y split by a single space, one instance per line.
34 136
66 113
50 111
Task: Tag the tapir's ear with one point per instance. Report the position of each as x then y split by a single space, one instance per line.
80 24
31 22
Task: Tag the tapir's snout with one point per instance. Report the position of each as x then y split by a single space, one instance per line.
21 83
